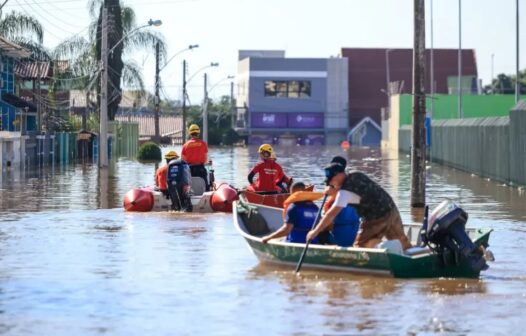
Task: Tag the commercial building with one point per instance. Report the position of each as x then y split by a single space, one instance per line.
291 100
375 74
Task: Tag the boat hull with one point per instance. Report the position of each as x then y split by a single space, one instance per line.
148 199
274 200
375 261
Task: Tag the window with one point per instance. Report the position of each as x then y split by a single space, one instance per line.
288 89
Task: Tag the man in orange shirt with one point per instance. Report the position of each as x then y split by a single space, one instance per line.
160 174
195 153
270 173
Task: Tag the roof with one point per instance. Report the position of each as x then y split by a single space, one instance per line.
13 50
32 70
18 102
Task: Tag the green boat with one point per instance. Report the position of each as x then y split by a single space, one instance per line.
254 221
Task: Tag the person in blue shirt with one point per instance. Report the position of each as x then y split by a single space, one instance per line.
346 224
299 217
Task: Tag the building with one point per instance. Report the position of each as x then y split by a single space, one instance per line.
370 69
291 101
17 114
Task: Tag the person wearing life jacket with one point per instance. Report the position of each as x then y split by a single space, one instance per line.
270 174
195 153
299 217
345 226
160 174
286 181
179 182
378 213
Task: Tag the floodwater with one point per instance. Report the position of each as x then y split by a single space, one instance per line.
73 263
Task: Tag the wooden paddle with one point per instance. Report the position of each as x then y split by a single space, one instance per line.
316 220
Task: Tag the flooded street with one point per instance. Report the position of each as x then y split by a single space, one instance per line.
72 262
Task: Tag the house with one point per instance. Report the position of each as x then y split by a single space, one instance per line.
17 114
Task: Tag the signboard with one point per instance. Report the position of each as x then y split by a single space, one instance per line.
268 120
305 120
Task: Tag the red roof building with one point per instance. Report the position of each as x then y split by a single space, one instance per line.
370 68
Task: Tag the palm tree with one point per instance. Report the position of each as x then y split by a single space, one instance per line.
122 21
25 31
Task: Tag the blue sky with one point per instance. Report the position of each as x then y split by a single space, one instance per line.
304 28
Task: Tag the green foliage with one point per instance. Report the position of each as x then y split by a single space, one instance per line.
149 151
220 130
505 84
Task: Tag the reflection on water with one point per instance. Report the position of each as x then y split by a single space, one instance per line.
73 263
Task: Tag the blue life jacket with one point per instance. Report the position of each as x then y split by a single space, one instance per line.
301 215
345 227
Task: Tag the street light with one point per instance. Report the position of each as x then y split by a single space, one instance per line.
103 132
388 79
190 47
155 23
205 105
185 81
158 85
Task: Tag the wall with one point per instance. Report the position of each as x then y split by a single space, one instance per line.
493 147
518 143
446 106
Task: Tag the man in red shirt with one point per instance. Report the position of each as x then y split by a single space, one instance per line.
160 174
270 173
195 153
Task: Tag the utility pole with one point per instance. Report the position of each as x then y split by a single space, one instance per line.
460 112
388 80
418 150
157 98
205 110
432 64
184 102
518 77
232 107
491 82
103 136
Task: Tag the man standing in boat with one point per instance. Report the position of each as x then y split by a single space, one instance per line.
270 174
160 174
195 153
377 210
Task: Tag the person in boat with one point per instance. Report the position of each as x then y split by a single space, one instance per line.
345 225
160 174
179 179
378 213
270 174
195 153
299 217
287 181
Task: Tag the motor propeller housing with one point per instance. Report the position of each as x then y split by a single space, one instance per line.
447 231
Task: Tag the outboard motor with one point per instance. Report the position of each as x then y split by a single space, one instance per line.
179 182
447 231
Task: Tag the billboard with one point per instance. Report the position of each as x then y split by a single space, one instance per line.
305 120
268 120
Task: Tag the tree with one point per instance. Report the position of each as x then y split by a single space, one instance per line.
25 31
505 84
121 22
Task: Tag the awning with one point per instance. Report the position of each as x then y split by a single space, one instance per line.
18 102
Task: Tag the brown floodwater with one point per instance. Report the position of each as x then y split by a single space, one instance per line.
72 262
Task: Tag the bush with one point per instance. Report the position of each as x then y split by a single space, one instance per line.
149 151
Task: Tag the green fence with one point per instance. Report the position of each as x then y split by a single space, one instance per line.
125 138
446 106
65 147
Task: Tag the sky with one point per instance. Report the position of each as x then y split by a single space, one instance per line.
303 28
